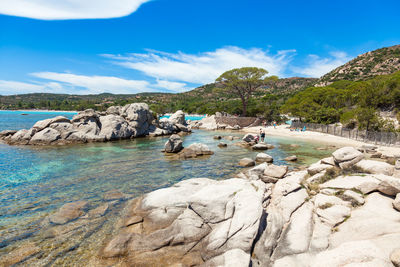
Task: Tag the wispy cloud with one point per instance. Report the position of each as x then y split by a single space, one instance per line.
173 72
204 67
15 87
317 66
83 84
69 9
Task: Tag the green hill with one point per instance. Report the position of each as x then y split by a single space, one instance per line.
378 62
354 103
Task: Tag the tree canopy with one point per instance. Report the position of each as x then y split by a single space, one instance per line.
244 82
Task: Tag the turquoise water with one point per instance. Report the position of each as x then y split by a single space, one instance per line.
36 181
188 117
14 120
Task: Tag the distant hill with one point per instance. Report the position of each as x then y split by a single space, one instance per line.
378 62
189 101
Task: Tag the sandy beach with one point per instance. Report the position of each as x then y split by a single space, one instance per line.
338 141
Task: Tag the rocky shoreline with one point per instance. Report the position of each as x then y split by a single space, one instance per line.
340 211
117 123
343 210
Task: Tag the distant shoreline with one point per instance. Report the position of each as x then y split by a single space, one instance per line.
41 110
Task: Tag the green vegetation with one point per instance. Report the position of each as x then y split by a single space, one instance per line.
352 103
208 99
244 82
366 66
353 94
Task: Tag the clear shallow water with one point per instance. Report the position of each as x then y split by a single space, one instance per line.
14 120
36 181
188 117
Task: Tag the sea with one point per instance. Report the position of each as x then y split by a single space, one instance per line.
36 181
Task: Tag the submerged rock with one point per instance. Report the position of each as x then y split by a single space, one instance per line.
262 146
195 150
221 145
291 158
68 212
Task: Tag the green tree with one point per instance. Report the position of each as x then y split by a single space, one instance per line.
244 82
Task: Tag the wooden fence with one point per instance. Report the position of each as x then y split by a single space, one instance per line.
382 138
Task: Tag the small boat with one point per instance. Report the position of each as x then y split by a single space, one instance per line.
24 114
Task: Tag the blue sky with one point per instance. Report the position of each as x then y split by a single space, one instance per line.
131 46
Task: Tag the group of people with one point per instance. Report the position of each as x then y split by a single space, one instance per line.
265 123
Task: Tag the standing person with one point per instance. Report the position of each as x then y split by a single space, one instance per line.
274 124
262 135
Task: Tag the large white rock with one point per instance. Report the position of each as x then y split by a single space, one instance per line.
276 171
139 117
357 253
115 127
374 221
320 236
334 214
375 167
396 202
322 200
22 136
45 136
114 110
346 154
365 184
296 237
354 197
178 118
174 144
247 162
395 257
233 257
208 123
318 167
232 208
263 157
40 125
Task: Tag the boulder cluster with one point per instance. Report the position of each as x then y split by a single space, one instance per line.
175 145
129 121
341 211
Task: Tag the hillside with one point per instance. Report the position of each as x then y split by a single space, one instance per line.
353 103
204 99
378 62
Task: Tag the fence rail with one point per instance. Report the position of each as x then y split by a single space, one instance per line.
379 138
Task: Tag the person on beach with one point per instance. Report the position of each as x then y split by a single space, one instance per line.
262 135
274 123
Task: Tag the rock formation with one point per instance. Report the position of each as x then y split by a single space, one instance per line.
267 216
129 121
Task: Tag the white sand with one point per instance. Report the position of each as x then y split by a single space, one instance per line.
337 141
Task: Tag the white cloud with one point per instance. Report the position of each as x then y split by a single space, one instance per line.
14 87
96 84
204 67
172 86
69 9
317 66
